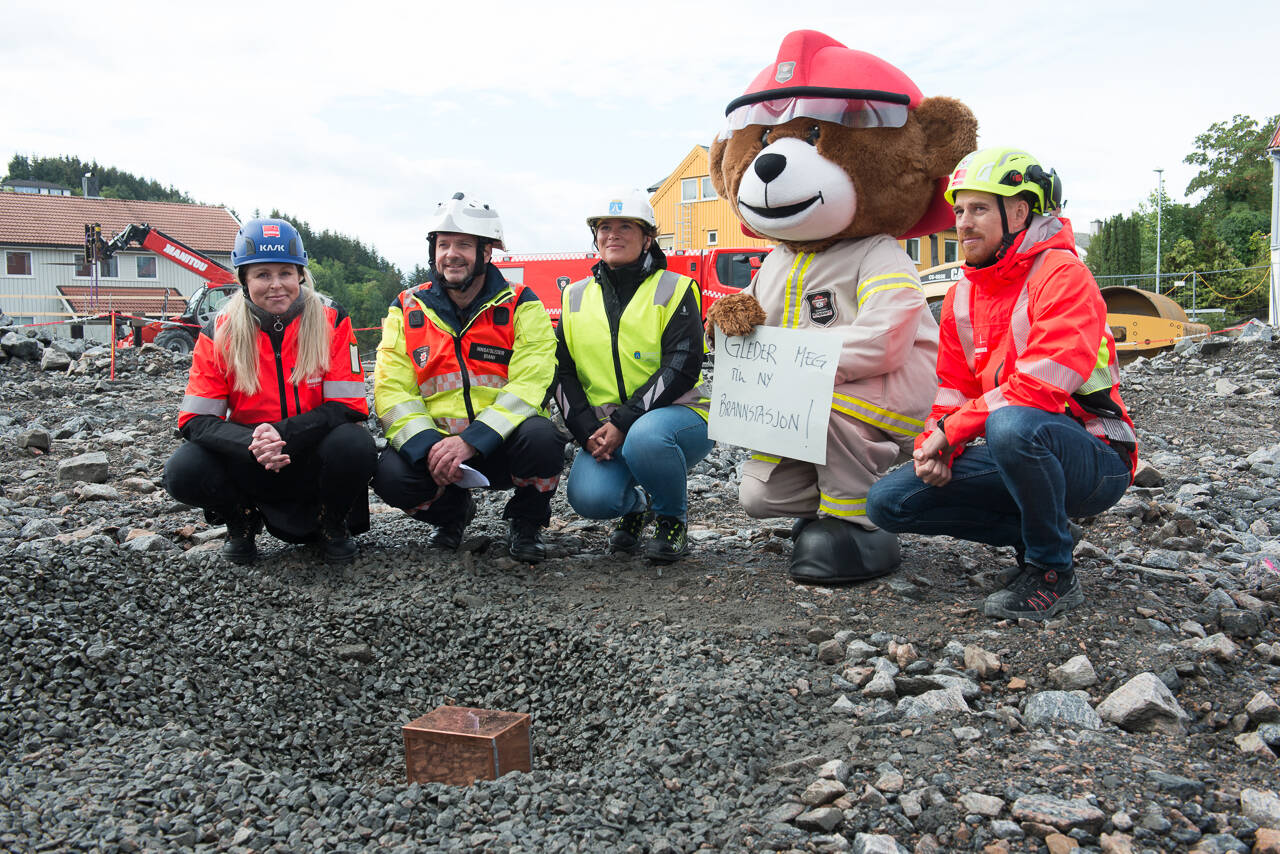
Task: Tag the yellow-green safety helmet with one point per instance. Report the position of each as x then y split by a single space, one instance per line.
1006 172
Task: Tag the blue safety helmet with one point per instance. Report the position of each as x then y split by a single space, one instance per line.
262 241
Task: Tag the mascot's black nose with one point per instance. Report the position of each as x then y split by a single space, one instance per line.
770 166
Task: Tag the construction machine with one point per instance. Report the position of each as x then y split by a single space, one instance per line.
177 333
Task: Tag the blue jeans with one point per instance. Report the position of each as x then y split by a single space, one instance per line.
1036 470
660 448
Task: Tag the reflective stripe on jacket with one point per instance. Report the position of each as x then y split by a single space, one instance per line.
210 385
480 381
611 371
1030 330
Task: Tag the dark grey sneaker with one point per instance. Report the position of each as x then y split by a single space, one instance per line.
448 535
670 541
1007 576
626 535
1036 594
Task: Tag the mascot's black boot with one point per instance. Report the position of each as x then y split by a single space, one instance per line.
829 551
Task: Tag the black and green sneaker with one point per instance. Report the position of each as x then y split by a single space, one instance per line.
670 541
625 538
1037 594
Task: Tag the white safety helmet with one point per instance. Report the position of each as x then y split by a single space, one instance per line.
461 215
630 204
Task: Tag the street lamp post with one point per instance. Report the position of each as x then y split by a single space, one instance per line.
1159 212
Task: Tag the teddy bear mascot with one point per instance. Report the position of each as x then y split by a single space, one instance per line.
835 154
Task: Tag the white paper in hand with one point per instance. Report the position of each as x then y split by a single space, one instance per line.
470 479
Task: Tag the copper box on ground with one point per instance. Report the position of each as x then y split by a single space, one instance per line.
457 745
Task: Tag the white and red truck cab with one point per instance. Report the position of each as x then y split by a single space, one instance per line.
718 272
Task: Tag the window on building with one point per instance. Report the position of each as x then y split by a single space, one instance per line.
713 237
688 189
17 263
666 242
108 269
913 249
146 266
708 191
950 251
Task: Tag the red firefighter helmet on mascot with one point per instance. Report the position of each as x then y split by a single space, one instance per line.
818 77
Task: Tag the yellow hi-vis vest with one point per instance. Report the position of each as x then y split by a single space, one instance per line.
638 350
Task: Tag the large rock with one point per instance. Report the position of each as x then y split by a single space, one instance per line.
36 437
950 701
1261 807
1060 708
1075 674
876 843
21 347
90 468
1142 704
823 818
54 360
1262 709
1057 813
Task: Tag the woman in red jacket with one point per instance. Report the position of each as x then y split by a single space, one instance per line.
1027 362
273 407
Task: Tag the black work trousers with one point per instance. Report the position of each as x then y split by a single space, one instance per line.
334 475
531 460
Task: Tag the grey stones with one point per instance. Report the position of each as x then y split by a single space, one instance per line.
830 652
1143 703
876 843
1061 708
822 792
97 492
1183 787
90 468
1074 674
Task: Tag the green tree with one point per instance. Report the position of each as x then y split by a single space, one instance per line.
1234 168
113 183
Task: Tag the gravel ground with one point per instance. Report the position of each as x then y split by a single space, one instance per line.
156 697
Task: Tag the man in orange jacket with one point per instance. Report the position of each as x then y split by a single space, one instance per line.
1026 361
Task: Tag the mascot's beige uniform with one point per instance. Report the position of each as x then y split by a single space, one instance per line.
835 154
885 380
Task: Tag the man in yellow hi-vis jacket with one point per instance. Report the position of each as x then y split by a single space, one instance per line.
463 371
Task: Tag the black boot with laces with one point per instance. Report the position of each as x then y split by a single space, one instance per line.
243 524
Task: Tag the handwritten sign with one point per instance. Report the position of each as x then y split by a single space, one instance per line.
772 391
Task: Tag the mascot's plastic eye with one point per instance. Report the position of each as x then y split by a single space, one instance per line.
764 136
814 133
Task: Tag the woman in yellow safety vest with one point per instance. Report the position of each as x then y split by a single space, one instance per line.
629 383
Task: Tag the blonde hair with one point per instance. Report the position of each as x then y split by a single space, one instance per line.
236 338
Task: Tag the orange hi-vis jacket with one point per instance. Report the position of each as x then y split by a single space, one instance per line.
438 375
1029 330
211 388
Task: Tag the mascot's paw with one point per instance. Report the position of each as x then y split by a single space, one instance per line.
736 314
829 551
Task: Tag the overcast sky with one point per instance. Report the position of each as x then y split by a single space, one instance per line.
359 117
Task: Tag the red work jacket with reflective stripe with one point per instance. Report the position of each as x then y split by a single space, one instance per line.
211 387
1030 330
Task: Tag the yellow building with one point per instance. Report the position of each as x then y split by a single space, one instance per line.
691 216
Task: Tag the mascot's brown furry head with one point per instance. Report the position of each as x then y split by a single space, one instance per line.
831 143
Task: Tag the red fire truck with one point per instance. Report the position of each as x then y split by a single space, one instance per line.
719 272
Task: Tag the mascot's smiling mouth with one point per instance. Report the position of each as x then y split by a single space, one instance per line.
784 211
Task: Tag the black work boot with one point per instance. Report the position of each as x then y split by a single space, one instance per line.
524 541
243 524
448 535
338 544
625 538
670 541
1037 594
